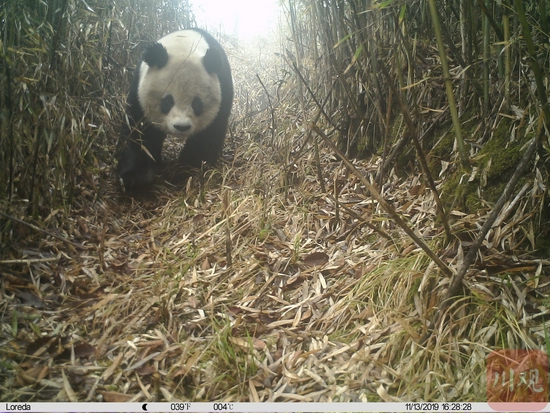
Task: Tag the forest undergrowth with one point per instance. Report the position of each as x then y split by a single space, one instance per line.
291 271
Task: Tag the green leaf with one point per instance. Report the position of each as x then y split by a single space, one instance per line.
382 5
35 328
346 37
402 13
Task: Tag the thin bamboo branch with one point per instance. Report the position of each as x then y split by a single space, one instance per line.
457 279
413 131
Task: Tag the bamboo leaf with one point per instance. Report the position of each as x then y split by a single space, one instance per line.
14 323
346 37
354 59
382 5
402 13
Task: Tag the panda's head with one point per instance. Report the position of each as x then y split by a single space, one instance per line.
179 90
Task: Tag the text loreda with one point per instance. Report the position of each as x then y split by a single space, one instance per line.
18 407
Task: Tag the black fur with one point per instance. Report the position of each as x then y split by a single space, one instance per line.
136 167
213 61
156 55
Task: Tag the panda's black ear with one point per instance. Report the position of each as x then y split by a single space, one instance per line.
212 60
155 55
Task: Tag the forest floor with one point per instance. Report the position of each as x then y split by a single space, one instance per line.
253 284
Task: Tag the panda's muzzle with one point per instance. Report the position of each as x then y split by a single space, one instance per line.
182 127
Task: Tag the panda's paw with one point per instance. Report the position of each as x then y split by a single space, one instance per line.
136 179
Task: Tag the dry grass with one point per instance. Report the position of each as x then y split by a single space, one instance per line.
252 284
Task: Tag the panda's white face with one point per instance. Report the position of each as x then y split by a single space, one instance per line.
181 98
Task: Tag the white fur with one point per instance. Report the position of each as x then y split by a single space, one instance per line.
184 77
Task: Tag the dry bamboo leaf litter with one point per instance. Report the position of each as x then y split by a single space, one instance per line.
312 304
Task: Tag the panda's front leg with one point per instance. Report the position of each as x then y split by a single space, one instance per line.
141 159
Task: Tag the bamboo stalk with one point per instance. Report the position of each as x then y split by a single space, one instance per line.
485 64
541 90
507 54
448 85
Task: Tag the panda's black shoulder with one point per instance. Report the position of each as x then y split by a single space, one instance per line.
212 42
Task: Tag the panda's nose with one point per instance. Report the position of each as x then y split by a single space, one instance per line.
182 127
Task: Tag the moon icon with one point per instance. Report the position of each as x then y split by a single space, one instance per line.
144 407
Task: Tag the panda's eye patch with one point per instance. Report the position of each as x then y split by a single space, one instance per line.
198 106
166 104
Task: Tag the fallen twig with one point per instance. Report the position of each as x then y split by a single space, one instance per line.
387 207
43 231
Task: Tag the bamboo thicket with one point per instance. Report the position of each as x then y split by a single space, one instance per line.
353 43
64 67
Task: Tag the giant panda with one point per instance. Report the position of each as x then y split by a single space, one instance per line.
182 87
